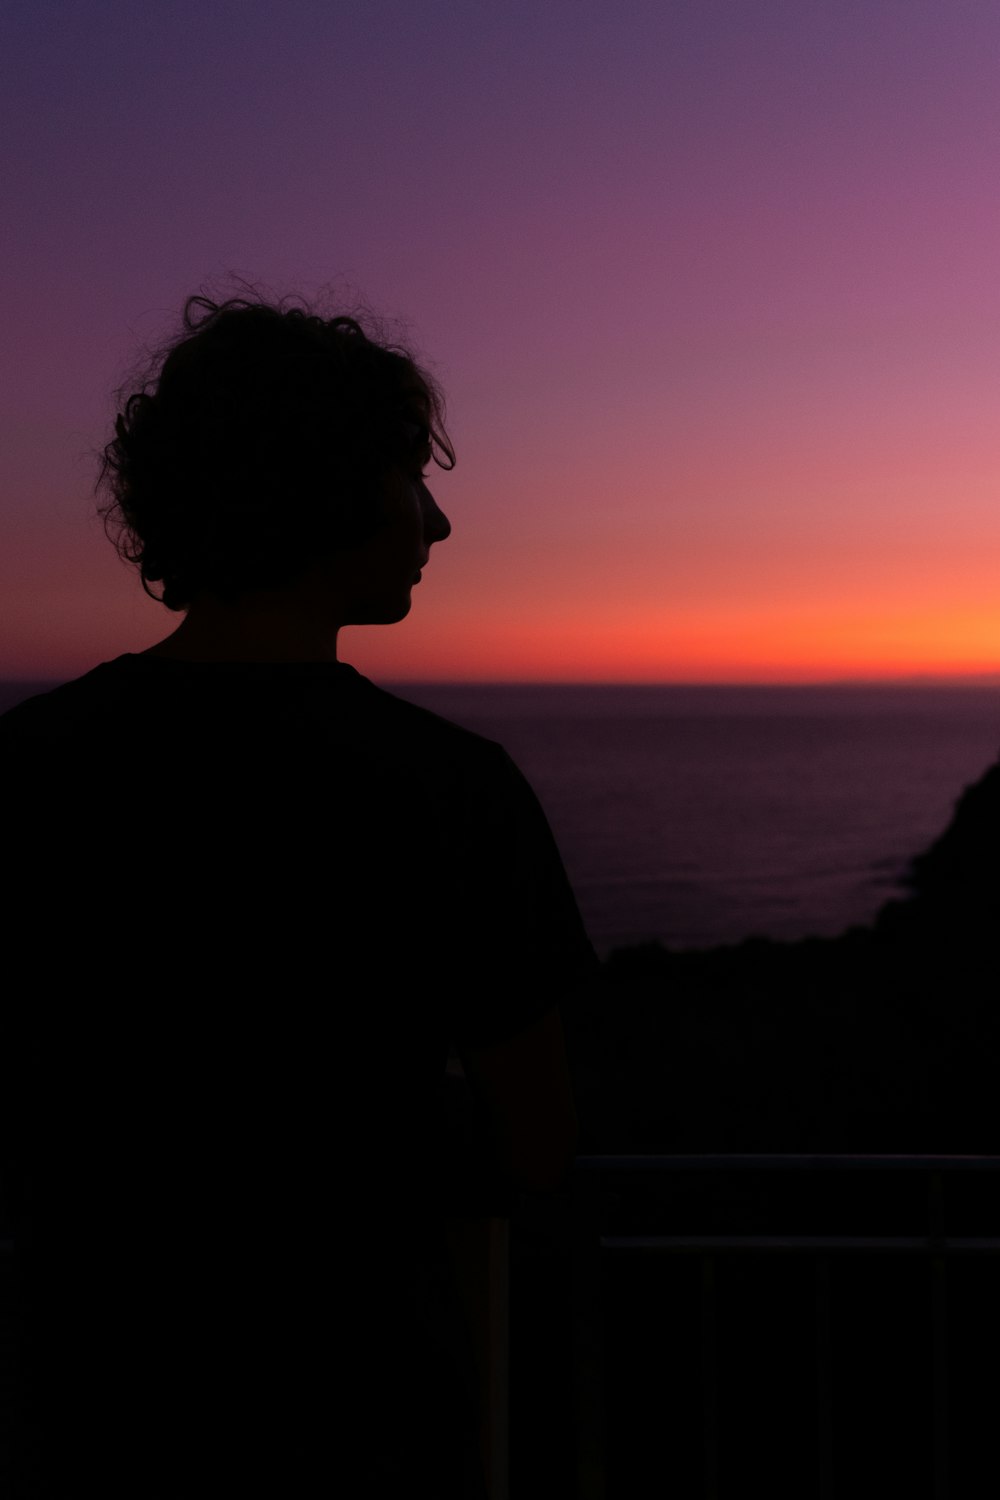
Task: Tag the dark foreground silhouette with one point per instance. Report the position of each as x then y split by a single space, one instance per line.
253 903
223 1065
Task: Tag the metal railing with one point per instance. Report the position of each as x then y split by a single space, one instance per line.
482 1249
601 1243
480 1255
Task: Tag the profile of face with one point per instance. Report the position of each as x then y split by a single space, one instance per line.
381 572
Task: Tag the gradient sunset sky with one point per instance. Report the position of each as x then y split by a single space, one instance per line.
713 290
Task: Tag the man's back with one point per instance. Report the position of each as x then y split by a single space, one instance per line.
257 904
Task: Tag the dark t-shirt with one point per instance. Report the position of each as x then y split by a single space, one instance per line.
253 907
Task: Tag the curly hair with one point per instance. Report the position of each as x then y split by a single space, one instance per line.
260 444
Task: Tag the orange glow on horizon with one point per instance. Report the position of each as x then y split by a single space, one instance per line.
775 646
477 620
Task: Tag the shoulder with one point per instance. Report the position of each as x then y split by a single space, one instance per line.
66 711
420 727
398 732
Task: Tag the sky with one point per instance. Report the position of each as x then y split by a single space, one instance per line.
711 287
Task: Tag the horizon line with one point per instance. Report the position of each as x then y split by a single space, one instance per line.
912 679
908 679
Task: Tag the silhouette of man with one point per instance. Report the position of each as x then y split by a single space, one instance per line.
257 901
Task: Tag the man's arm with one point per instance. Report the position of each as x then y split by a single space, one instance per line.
524 1086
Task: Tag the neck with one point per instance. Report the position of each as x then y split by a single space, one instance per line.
269 626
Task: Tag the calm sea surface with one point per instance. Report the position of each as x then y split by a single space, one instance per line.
704 815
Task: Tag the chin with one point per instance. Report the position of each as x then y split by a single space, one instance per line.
384 614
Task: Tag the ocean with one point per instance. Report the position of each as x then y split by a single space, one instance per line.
696 816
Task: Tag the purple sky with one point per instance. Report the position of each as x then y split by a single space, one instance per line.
712 289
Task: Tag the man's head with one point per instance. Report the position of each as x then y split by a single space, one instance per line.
267 439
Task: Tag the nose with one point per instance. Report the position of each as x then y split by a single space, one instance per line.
437 527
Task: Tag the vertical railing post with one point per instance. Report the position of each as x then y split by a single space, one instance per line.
480 1258
824 1378
496 1440
588 1360
939 1337
710 1374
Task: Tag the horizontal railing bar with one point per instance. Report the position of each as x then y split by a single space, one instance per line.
682 1244
787 1162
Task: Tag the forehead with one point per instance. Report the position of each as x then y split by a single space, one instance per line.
415 416
416 435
